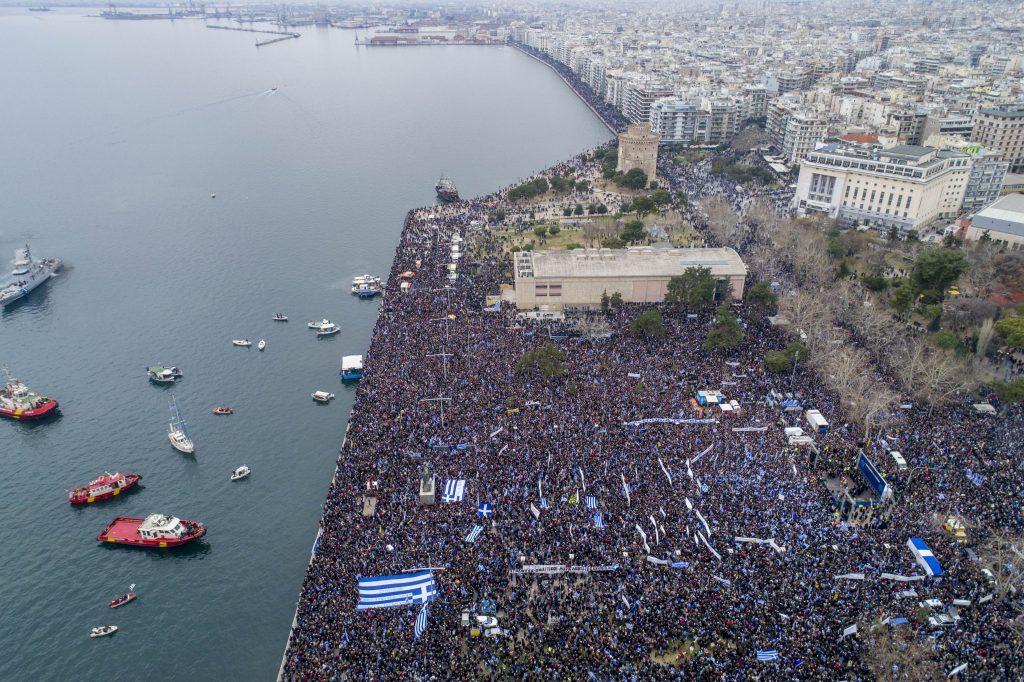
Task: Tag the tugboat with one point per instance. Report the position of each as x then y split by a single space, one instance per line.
156 530
18 401
446 190
28 274
103 488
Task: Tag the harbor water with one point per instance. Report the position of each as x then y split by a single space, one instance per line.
114 136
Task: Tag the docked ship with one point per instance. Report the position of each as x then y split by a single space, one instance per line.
27 275
103 488
366 286
446 190
18 401
156 530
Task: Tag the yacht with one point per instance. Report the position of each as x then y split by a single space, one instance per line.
177 433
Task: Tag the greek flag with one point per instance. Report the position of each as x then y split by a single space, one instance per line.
454 490
767 654
924 557
598 520
316 542
543 503
475 533
591 502
421 621
382 591
484 510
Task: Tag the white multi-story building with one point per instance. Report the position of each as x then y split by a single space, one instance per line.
906 187
640 94
793 130
1002 128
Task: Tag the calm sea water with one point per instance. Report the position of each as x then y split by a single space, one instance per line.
112 138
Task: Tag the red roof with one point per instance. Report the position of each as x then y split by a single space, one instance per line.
860 138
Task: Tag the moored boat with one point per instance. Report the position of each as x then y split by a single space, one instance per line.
103 488
244 343
278 317
261 345
103 631
28 275
156 530
322 397
366 283
240 473
18 401
223 409
351 368
446 190
313 324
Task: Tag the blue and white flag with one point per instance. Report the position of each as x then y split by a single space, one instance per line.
598 520
767 654
454 490
475 533
591 502
543 503
316 542
421 621
484 510
924 557
383 591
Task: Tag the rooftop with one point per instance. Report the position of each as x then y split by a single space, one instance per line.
634 262
1006 214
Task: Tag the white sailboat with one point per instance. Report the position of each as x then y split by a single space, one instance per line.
177 433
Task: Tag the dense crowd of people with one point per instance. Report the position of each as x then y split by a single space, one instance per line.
644 527
663 588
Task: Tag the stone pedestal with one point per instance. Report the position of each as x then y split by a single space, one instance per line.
426 491
369 505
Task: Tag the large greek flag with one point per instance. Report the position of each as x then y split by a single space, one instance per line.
767 654
591 502
454 490
924 557
383 591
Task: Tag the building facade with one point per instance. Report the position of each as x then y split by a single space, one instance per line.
638 148
904 187
1002 128
1003 222
580 277
792 130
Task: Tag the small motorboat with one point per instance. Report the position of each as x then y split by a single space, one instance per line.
103 631
261 345
322 397
244 343
278 317
367 292
122 600
313 324
240 473
223 409
328 329
162 375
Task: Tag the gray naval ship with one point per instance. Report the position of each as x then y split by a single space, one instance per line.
28 274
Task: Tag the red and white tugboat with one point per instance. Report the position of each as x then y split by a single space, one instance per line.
103 488
156 530
18 401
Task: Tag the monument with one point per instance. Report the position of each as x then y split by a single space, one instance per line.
638 148
426 486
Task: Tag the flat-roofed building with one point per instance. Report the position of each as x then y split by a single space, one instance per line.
1003 221
580 277
1002 128
904 187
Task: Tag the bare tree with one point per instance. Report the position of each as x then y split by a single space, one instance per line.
931 375
892 655
985 333
723 221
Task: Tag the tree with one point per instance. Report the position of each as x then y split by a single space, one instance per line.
661 197
567 211
578 210
946 340
902 298
615 300
606 303
874 282
643 206
726 332
694 288
777 361
634 231
761 299
1011 391
648 325
635 178
602 209
1012 331
582 186
545 361
540 231
936 268
554 229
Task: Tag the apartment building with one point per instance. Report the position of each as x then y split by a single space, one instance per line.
906 187
639 95
1002 127
793 130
